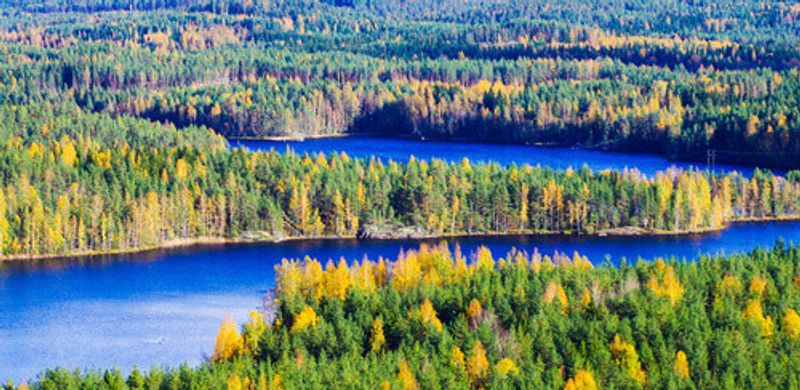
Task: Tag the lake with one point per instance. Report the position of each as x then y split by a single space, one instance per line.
165 307
400 149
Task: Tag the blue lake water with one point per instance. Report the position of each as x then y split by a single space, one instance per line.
400 149
163 308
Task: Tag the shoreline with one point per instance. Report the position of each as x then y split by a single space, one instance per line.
733 164
201 242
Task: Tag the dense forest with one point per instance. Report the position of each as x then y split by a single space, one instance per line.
115 117
76 182
677 77
435 319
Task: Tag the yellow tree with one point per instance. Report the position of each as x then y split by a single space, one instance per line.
377 338
477 365
336 280
681 365
229 342
234 383
523 206
474 311
338 214
5 237
253 329
626 357
555 292
406 377
753 312
427 314
306 319
791 325
506 367
582 380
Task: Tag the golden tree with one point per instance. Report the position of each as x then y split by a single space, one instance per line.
582 380
791 324
427 314
406 377
506 367
753 312
306 319
229 342
681 365
377 338
477 364
626 357
474 311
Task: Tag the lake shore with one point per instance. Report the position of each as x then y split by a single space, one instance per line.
400 233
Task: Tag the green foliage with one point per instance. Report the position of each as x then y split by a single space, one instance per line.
629 336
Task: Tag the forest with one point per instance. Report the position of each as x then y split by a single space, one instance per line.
116 117
680 79
434 318
83 183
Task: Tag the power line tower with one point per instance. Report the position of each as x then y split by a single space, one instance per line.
711 158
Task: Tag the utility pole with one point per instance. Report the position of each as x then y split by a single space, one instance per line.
711 158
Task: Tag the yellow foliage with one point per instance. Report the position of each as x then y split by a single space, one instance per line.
458 358
336 280
253 330
681 365
364 276
181 169
306 319
407 272
288 278
626 357
668 286
69 156
791 324
276 383
474 311
729 285
477 364
581 263
229 342
554 291
377 338
406 377
234 383
427 314
753 312
583 380
758 285
586 298
505 367
485 260
313 275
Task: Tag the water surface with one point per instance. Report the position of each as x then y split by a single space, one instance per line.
400 149
164 307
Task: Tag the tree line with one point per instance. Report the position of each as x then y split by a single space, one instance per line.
71 185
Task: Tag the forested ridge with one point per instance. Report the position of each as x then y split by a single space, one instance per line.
76 182
678 77
437 319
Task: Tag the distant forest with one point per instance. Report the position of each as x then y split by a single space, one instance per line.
678 78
